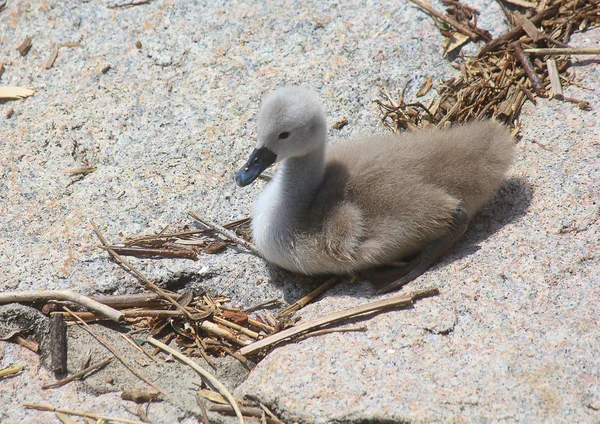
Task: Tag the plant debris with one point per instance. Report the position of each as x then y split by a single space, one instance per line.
78 375
340 123
58 349
140 395
99 417
507 71
15 93
10 371
128 3
24 47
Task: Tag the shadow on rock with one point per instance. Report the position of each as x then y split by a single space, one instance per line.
510 202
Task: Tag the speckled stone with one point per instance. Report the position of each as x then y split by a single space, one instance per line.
513 336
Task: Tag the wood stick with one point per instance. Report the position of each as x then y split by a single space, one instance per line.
236 327
135 313
52 58
262 305
114 351
450 21
79 413
554 79
214 329
247 411
564 51
64 295
139 300
261 325
155 252
515 33
202 349
64 418
203 411
78 375
528 94
85 362
137 347
522 3
302 302
245 362
270 414
332 330
208 376
58 348
533 32
226 233
11 370
150 284
26 343
24 47
82 171
395 301
128 3
528 67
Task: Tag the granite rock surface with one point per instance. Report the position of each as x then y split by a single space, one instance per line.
162 99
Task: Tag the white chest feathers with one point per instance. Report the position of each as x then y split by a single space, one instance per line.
272 226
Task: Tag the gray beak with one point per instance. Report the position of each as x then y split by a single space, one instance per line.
260 159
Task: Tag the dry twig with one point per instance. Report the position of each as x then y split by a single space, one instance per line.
528 67
301 303
58 349
515 33
26 343
113 351
80 413
230 235
557 90
392 302
64 418
564 51
82 171
450 21
332 330
64 295
247 411
11 370
137 300
52 58
78 375
150 284
155 252
24 47
128 3
208 376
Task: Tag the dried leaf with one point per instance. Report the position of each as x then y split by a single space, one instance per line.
454 42
237 317
215 247
212 396
186 298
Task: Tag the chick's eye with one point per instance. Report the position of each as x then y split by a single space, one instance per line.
283 135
